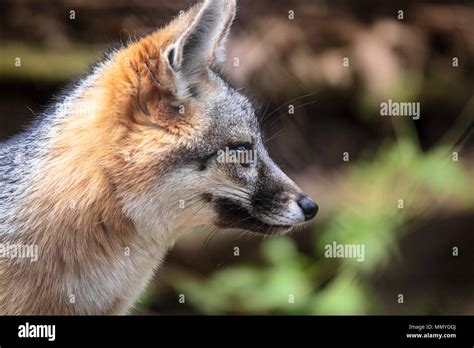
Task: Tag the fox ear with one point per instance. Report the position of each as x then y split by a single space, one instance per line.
202 43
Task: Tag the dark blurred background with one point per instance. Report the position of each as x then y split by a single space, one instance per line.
333 63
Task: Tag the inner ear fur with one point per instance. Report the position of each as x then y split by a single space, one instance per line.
170 63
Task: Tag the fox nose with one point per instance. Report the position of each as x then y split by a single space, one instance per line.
308 206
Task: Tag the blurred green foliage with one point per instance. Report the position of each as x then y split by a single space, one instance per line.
42 63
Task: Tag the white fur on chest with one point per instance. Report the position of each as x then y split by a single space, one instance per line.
117 282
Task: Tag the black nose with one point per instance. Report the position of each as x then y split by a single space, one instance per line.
308 206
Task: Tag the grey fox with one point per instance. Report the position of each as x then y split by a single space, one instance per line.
151 143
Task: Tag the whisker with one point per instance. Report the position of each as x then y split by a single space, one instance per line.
291 100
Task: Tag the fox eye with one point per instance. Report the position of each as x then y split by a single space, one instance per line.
241 147
245 154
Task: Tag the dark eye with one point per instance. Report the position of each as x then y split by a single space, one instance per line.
241 147
245 154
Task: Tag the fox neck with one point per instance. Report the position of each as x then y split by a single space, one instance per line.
95 253
93 259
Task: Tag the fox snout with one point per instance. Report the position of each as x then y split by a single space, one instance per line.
266 214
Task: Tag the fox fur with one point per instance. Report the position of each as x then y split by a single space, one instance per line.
105 181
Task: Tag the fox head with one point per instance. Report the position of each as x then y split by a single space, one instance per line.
190 151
